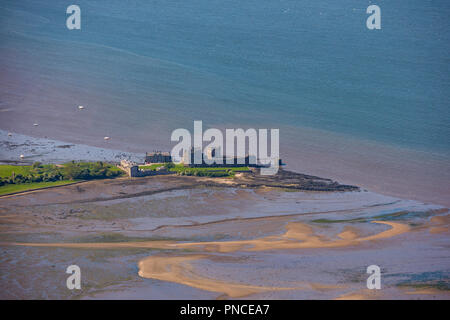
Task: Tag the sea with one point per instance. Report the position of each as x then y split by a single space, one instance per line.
366 107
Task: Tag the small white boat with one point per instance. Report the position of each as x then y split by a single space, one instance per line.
22 156
36 124
106 138
9 134
80 107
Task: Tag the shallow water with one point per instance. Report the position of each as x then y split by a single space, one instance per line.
365 107
222 243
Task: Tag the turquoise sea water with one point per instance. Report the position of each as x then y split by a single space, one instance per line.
310 68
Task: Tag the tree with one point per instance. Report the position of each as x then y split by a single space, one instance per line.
169 165
36 165
71 171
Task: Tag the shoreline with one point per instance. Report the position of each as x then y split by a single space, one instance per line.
208 237
285 181
56 151
6 195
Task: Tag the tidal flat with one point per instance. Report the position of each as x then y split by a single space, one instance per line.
199 238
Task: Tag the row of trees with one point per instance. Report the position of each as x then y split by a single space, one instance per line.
69 171
90 170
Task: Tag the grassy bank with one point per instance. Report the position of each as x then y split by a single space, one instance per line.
21 178
181 168
7 170
150 166
12 188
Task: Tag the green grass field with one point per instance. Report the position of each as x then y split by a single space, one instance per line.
48 175
150 166
181 167
10 188
7 170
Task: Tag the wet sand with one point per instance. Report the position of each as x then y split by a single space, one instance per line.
55 151
159 237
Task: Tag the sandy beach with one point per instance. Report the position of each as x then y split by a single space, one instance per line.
12 145
179 238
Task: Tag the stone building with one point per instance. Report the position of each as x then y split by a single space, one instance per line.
207 158
157 157
133 170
